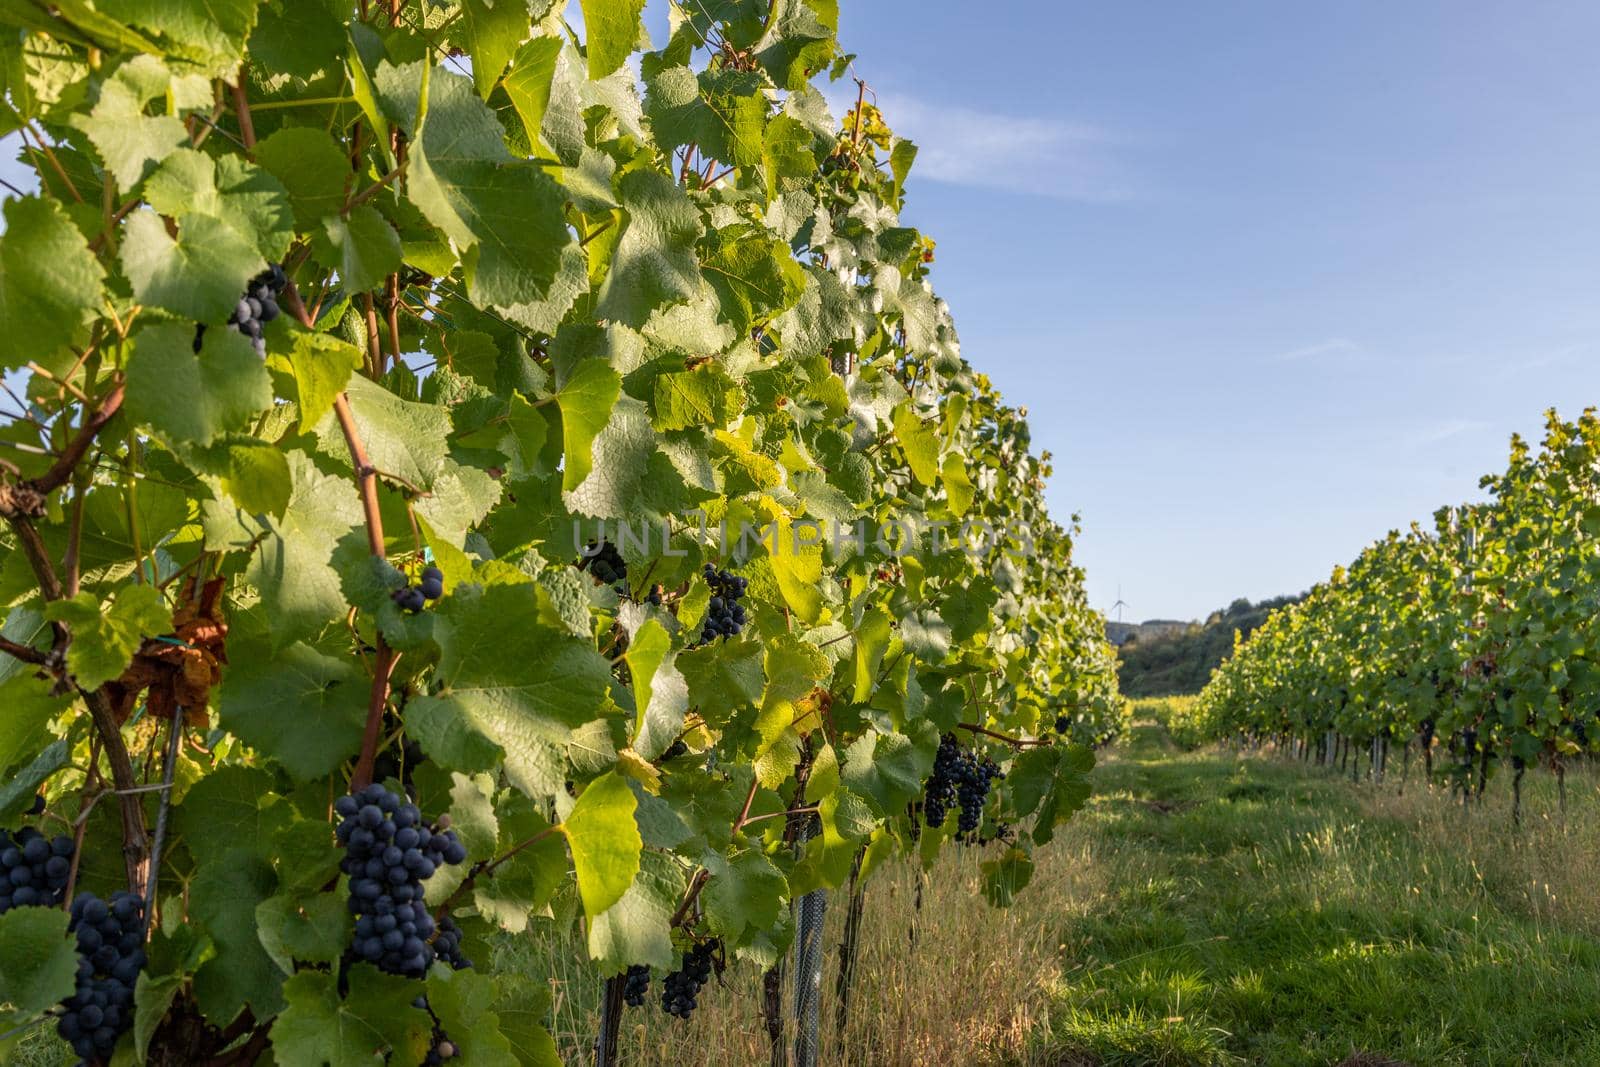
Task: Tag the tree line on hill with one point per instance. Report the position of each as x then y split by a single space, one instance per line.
1165 662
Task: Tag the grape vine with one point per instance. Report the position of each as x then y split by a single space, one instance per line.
518 296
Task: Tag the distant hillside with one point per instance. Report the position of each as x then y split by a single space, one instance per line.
1166 658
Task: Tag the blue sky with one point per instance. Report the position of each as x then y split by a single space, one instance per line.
1271 279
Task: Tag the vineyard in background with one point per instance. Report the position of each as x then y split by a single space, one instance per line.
429 434
1470 647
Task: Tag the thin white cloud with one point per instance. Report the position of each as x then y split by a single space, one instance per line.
1443 430
967 146
1334 346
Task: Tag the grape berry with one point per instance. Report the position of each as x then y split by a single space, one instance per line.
389 853
680 988
725 616
110 957
33 869
429 587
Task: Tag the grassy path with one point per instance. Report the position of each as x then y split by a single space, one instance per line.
1255 913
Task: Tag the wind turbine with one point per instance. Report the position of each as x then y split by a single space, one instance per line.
1120 604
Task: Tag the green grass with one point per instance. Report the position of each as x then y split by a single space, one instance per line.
1258 914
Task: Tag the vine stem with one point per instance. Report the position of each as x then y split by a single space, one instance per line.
782 814
168 772
26 653
241 108
1015 742
367 485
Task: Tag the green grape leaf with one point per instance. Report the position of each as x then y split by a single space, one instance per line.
744 893
527 83
871 642
920 445
39 966
793 668
257 477
523 1006
1007 876
723 112
605 842
724 678
462 1002
658 689
199 275
152 999
405 439
49 280
797 565
362 247
322 365
210 33
508 211
298 706
494 30
103 643
292 568
224 898
636 929
705 396
586 401
525 882
472 815
190 397
130 142
319 1028
226 808
957 486
312 929
754 276
507 679
312 167
17 795
654 263
613 28
886 769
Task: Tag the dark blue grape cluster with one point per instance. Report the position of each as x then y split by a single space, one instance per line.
959 779
725 615
389 853
257 307
1063 724
447 944
33 869
655 595
606 564
636 985
429 587
110 957
972 789
680 989
939 795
